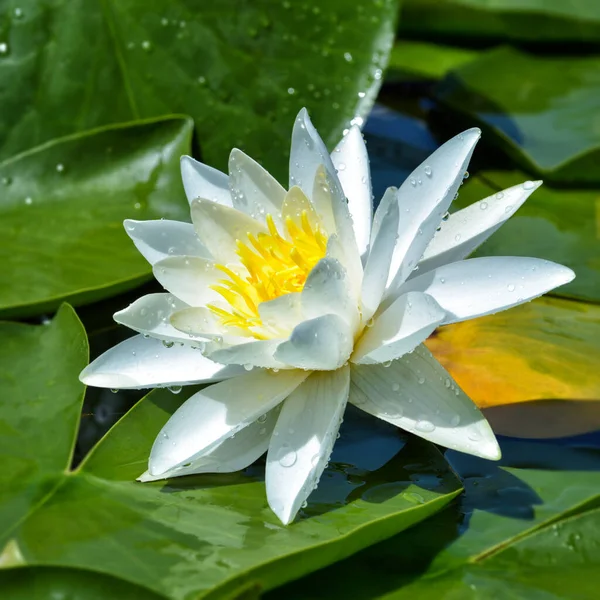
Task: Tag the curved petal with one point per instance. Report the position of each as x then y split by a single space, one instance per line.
189 278
202 181
410 320
417 394
482 286
216 413
303 439
253 190
322 199
150 315
141 362
282 313
233 454
384 236
307 153
219 227
321 344
257 353
201 322
327 291
159 239
470 227
425 197
344 230
294 204
351 162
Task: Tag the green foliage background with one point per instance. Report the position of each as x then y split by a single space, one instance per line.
98 99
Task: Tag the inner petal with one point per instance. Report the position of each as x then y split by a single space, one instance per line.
277 263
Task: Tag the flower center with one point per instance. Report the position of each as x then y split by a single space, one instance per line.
275 266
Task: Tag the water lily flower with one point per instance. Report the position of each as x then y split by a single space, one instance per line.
295 302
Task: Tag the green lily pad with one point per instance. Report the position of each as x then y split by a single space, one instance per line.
528 530
554 223
411 60
62 210
203 536
541 111
534 21
242 73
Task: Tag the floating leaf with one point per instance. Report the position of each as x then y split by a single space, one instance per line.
193 536
539 110
62 210
241 72
500 20
546 349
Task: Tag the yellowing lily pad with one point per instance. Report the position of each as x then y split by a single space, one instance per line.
547 349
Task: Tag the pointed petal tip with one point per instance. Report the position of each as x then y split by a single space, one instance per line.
144 477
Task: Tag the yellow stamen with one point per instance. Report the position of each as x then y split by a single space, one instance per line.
275 266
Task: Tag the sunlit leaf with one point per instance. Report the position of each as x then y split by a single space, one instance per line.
540 110
187 537
546 349
62 207
242 71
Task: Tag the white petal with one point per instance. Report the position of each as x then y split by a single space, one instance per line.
384 236
409 321
417 394
151 315
283 313
303 439
140 362
351 161
327 291
322 201
482 286
202 181
233 454
425 197
470 227
307 153
257 353
200 323
344 229
156 240
217 412
322 344
189 278
295 203
253 190
219 227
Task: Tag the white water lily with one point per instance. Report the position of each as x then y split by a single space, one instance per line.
298 301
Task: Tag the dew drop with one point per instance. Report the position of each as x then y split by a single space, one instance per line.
386 364
413 182
454 421
291 91
168 344
175 389
424 426
262 418
483 205
428 171
421 380
457 237
510 287
286 456
396 387
114 390
341 167
474 436
528 185
466 175
348 57
499 195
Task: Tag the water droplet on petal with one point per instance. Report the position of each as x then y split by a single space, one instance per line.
286 456
510 287
424 426
483 205
428 171
528 185
168 344
175 389
499 195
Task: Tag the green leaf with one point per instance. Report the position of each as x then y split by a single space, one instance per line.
423 60
63 206
557 224
242 73
543 350
208 535
518 532
539 110
534 21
